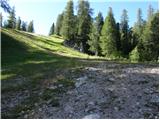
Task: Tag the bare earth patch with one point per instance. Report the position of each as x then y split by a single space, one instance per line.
105 90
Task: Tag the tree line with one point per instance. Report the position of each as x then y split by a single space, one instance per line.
106 37
14 23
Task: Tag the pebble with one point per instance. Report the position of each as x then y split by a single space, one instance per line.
92 116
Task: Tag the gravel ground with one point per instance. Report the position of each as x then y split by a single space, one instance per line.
107 90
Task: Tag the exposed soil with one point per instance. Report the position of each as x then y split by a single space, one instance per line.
105 90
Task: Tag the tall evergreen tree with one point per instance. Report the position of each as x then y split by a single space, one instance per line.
124 33
30 27
24 26
149 47
139 25
12 19
99 22
68 22
18 24
1 19
150 12
51 32
84 24
118 39
108 35
59 22
95 34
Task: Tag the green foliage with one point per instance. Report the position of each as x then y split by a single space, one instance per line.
84 24
68 22
108 35
138 28
124 33
150 12
94 40
24 26
30 27
51 32
134 55
149 47
118 39
12 19
18 24
95 34
59 22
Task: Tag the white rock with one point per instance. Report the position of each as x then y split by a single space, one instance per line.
92 116
82 78
81 81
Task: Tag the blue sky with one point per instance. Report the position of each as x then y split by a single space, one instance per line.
45 12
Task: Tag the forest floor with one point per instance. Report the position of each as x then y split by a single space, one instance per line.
41 78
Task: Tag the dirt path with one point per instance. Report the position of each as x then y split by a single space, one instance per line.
108 91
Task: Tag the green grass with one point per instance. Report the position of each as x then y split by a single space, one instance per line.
30 54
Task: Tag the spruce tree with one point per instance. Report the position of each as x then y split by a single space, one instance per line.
1 19
51 32
124 34
149 47
138 27
108 35
18 24
30 27
136 37
59 22
118 39
99 22
84 24
68 22
150 12
12 19
24 26
95 34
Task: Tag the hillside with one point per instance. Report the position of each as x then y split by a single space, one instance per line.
41 78
22 49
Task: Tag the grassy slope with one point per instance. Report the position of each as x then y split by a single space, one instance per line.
28 61
34 57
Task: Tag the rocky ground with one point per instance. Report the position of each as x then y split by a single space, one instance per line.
105 90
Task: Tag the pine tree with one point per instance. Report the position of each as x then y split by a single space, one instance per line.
18 24
84 25
68 22
95 34
1 19
124 33
138 27
150 12
94 39
12 19
108 35
30 27
149 47
99 22
136 37
59 22
24 26
118 39
51 32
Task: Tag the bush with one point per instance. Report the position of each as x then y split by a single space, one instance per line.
134 55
